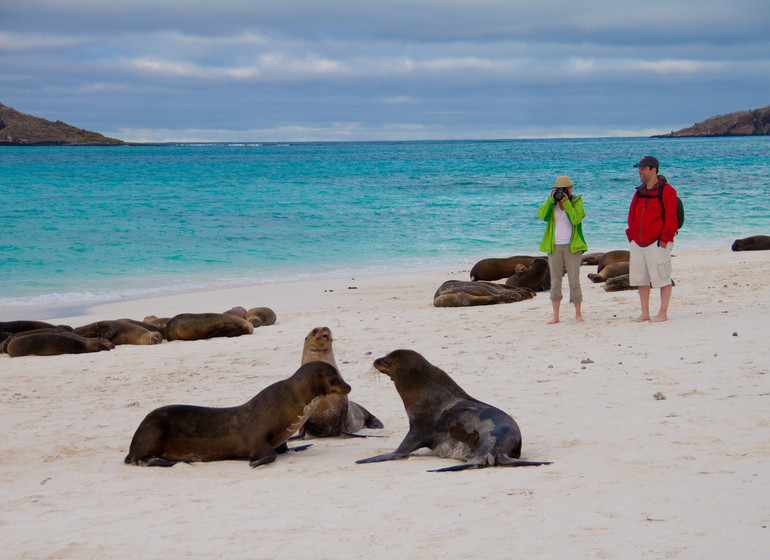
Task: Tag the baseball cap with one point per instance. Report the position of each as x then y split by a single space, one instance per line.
648 161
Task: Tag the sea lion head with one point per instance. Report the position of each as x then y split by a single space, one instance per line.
414 375
319 339
324 378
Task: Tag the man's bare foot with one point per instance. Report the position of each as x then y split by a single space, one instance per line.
579 319
641 319
659 318
553 321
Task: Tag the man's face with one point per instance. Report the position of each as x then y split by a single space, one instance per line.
647 173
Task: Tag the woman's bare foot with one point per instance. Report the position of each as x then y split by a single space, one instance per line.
641 319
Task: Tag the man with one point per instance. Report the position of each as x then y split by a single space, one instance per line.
651 230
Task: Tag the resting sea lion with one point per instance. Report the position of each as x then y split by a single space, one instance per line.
590 259
335 414
24 325
198 326
237 311
47 342
618 284
261 316
458 293
497 269
536 276
255 430
610 271
620 255
753 243
446 419
122 331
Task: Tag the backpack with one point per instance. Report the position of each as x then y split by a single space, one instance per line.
679 204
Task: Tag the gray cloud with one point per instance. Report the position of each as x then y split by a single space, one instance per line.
350 69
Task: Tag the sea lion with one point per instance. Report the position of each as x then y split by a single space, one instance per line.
498 268
237 311
335 415
618 284
261 316
53 342
448 421
619 255
198 326
256 430
459 293
25 325
590 259
610 271
536 276
122 331
753 243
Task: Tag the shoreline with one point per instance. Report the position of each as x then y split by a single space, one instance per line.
657 432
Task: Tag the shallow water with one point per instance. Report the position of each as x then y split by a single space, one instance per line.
91 224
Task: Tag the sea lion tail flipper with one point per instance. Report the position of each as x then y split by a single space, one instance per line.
373 422
262 458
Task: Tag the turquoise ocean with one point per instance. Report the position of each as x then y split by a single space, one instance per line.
82 225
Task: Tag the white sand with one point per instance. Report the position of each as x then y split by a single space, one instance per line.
633 476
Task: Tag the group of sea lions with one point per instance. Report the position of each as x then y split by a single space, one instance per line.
524 277
314 402
25 338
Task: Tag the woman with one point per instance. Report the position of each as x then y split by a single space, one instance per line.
564 242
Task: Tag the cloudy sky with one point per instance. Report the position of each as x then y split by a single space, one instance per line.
258 70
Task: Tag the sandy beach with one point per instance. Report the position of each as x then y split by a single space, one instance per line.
658 433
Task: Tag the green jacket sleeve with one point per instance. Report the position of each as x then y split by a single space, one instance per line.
544 212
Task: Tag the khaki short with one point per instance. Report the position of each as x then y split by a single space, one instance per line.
650 266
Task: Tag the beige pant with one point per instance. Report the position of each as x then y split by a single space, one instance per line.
560 259
650 266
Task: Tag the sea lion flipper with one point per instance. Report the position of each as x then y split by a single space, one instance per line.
264 458
380 458
299 448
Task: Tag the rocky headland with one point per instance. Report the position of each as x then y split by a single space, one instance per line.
755 122
20 129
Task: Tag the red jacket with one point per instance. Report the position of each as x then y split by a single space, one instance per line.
646 216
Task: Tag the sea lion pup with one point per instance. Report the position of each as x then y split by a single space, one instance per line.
498 268
447 420
753 243
261 316
619 255
610 271
335 415
52 342
459 293
198 326
536 276
256 430
122 331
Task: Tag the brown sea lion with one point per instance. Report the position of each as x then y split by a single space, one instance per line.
753 243
536 276
198 326
448 421
590 259
620 255
256 430
618 284
458 293
261 316
610 271
335 414
122 331
53 342
25 325
497 269
237 311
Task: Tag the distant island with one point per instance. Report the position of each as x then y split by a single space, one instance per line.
755 122
20 129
